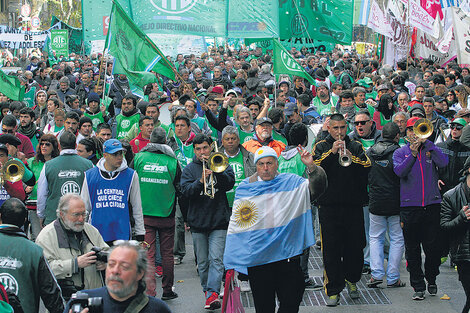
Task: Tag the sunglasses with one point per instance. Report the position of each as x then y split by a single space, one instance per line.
7 131
47 144
361 123
456 126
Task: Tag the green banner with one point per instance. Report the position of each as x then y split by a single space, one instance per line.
11 87
76 43
284 63
135 54
212 18
326 20
60 42
311 44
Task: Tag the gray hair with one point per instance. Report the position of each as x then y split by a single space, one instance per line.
241 110
266 68
217 68
358 90
184 71
404 114
232 130
141 259
197 70
64 202
64 79
175 110
404 93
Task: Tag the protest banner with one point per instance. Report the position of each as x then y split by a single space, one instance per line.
13 38
325 20
60 42
462 27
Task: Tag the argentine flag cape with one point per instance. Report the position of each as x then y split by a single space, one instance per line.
271 221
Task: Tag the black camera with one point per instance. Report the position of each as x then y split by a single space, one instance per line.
101 254
81 300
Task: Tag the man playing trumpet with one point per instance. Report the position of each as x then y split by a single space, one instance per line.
416 164
340 209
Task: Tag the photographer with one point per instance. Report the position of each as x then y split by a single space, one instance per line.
67 245
125 284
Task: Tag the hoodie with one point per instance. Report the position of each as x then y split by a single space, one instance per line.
384 184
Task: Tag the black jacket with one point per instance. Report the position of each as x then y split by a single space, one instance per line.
204 213
455 223
457 154
346 185
384 184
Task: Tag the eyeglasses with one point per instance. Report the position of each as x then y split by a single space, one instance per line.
456 126
45 143
76 215
361 122
7 131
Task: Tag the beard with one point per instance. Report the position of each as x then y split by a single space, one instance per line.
265 135
74 226
123 291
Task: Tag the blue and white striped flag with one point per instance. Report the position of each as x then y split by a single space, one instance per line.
271 221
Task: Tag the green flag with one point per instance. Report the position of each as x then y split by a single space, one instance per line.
284 63
11 87
135 54
326 20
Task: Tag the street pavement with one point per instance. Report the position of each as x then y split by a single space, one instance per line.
191 298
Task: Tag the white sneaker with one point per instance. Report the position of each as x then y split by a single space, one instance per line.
244 286
221 294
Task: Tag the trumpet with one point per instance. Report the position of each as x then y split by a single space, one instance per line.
217 163
344 159
12 171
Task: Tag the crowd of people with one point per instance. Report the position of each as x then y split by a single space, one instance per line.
108 190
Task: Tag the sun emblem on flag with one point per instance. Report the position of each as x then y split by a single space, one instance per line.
246 214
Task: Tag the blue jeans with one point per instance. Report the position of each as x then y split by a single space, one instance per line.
378 227
209 249
366 229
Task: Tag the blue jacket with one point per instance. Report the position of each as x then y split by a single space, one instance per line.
418 175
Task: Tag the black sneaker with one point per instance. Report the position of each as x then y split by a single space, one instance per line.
432 289
312 285
366 269
169 295
318 244
418 295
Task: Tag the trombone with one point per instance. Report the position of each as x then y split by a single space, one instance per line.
422 129
12 171
217 163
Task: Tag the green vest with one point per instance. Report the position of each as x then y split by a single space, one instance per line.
293 165
36 167
383 120
279 137
156 175
19 266
244 136
64 174
95 118
199 121
325 109
124 124
237 165
184 153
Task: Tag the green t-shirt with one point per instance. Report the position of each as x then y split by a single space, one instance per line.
367 143
279 137
325 109
244 136
125 123
237 165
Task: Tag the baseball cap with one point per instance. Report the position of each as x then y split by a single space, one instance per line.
411 122
383 87
263 120
459 121
112 146
264 152
290 108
